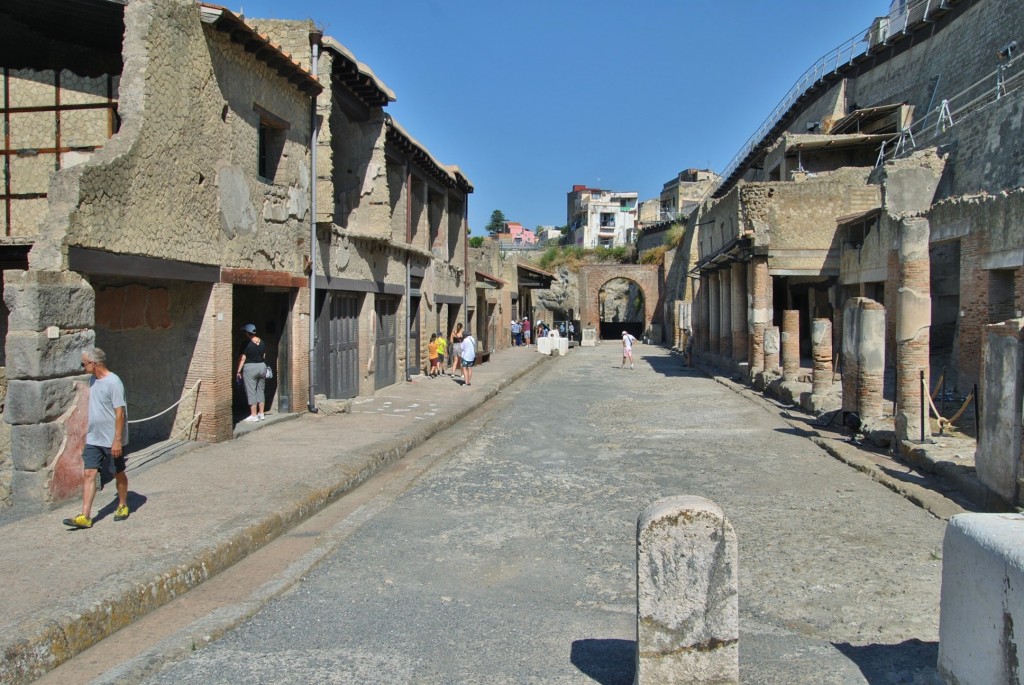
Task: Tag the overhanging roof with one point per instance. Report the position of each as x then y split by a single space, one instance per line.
356 76
261 47
488 282
532 277
841 141
449 176
97 24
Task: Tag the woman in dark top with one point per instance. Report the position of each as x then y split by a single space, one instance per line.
456 348
252 370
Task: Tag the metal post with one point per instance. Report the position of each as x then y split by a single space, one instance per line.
924 416
977 415
314 43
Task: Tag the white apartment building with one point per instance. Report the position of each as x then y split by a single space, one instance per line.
601 218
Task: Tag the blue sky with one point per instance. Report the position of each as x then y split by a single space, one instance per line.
533 96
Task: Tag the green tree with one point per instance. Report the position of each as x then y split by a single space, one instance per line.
497 222
476 241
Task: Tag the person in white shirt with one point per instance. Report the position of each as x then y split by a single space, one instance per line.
627 349
468 357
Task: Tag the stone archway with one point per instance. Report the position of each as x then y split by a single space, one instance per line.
593 277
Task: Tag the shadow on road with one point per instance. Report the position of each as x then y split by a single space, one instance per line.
904 662
609 662
669 366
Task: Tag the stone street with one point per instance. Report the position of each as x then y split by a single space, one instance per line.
512 560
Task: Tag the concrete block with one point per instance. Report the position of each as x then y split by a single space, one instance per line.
34 446
38 401
37 299
687 594
589 338
982 577
32 355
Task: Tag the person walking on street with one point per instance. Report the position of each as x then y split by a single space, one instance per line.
468 357
627 349
252 370
456 347
104 443
526 331
432 355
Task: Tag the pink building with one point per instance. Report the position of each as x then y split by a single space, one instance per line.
517 236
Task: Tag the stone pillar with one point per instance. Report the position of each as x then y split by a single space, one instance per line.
738 299
213 362
687 596
913 326
50 324
821 349
759 313
771 348
998 455
981 609
790 343
703 332
714 313
725 312
863 356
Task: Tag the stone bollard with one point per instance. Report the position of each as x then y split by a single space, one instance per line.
790 343
687 601
982 608
771 349
821 349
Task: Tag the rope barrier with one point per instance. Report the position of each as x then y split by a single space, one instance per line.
143 457
150 418
943 422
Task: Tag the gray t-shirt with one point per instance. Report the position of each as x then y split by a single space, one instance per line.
469 348
105 395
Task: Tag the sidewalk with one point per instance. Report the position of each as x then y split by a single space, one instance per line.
202 510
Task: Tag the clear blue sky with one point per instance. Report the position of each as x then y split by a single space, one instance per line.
533 96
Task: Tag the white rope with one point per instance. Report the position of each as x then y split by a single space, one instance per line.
149 418
143 457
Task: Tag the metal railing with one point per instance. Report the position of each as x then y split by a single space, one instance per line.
830 63
1007 78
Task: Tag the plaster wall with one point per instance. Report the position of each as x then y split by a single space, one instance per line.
179 181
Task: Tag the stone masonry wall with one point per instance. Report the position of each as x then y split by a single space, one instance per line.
153 190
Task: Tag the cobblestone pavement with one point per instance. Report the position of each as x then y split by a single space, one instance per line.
513 560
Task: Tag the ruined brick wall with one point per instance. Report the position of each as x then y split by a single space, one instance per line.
593 277
718 222
179 181
798 220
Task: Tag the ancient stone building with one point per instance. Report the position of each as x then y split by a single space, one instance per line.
159 194
890 173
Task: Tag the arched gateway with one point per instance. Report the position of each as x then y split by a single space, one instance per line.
594 277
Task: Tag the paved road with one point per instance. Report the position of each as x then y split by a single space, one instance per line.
512 561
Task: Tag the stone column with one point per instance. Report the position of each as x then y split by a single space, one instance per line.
790 343
760 313
687 598
51 320
212 362
703 342
714 313
821 349
725 313
998 455
913 326
738 299
863 356
771 348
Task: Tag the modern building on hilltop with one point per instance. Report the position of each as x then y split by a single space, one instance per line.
601 218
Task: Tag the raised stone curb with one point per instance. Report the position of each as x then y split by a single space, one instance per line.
44 642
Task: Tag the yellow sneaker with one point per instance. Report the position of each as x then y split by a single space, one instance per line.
79 521
122 513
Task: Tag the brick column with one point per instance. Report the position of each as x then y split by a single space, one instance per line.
771 348
714 313
739 313
821 349
790 342
760 286
913 326
863 356
725 312
213 362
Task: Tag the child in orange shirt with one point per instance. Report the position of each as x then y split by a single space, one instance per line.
435 368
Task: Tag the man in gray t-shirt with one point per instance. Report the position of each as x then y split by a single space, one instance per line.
105 441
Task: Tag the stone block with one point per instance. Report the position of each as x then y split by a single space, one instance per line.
687 594
32 355
37 299
982 608
34 446
38 401
28 489
589 338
